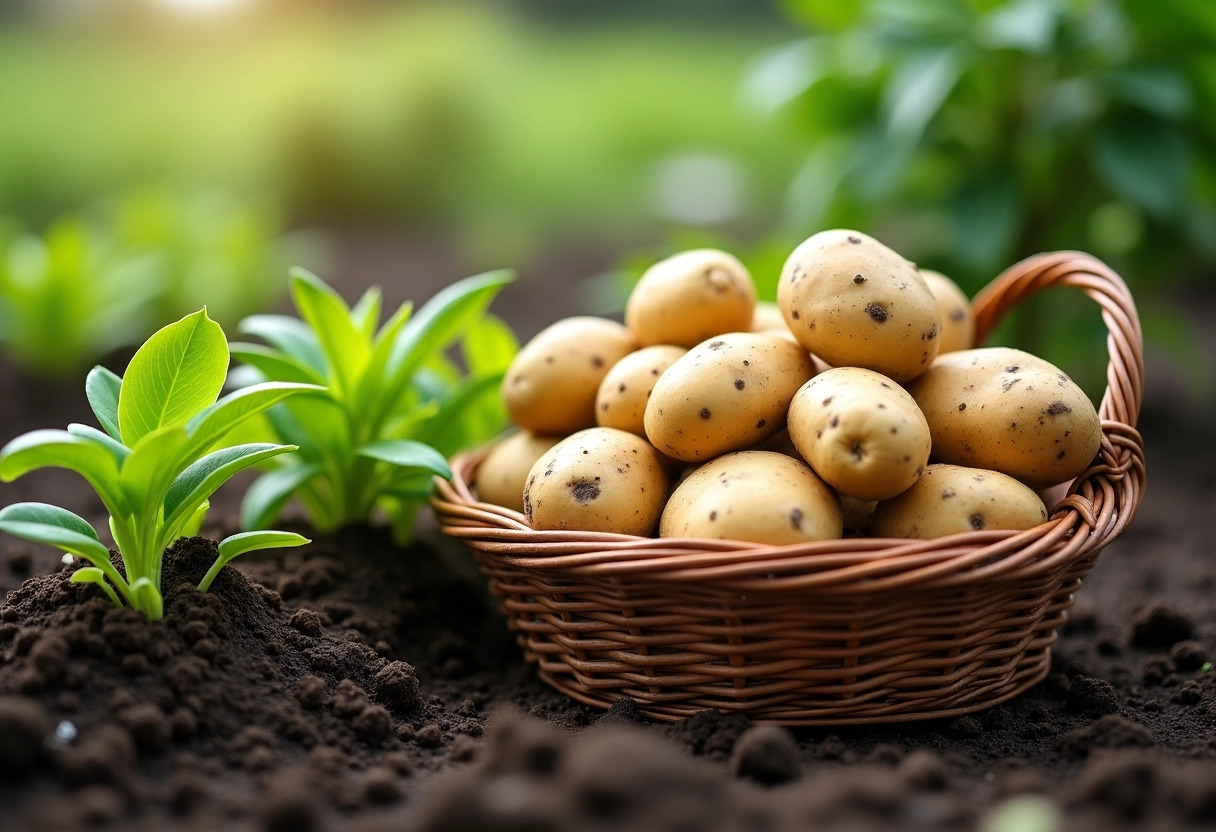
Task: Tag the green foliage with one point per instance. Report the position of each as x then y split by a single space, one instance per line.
96 280
70 296
969 133
396 405
155 464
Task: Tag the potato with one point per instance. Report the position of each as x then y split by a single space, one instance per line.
860 431
757 496
1008 411
621 401
502 474
958 324
725 394
949 499
689 297
854 302
551 384
857 514
597 480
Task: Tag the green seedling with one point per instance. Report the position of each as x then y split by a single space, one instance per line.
154 465
395 407
70 296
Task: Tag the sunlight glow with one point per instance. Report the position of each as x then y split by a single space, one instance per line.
202 5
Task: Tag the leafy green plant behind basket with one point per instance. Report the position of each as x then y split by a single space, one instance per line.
396 405
155 464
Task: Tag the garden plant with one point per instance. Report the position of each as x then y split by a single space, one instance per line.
154 465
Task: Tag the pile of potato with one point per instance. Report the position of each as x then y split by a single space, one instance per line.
854 405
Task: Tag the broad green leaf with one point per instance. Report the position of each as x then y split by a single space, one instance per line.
406 453
238 544
290 336
152 465
488 346
1025 25
366 313
200 480
101 438
444 431
832 15
411 487
195 523
986 216
781 75
93 575
102 388
440 321
345 348
176 373
1159 89
1143 161
206 428
267 496
60 449
276 365
54 526
917 90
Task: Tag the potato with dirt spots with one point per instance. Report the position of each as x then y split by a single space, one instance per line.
551 385
504 471
597 480
725 394
854 302
622 397
1009 411
689 297
958 323
861 432
757 496
949 499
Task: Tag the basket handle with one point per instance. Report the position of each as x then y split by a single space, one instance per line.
1124 342
1122 454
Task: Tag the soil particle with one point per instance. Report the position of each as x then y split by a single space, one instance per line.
1161 624
924 770
1189 655
307 622
396 685
1091 697
149 726
429 736
373 724
766 754
1109 731
381 786
290 806
24 723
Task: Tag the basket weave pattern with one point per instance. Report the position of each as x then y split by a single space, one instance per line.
833 632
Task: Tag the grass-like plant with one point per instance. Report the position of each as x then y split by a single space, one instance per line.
154 465
395 405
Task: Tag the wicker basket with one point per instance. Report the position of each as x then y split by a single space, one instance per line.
832 632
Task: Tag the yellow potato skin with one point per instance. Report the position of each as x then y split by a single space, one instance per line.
725 394
861 432
950 499
1009 411
621 400
757 496
689 297
852 301
597 480
958 323
551 385
768 317
502 474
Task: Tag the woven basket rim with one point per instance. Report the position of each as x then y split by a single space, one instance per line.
1098 506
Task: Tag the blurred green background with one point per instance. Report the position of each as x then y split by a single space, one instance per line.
194 147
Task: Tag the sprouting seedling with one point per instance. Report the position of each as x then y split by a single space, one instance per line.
395 406
154 465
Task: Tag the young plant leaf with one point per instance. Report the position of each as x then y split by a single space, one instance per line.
150 468
102 439
60 449
176 373
54 526
267 496
407 454
238 544
102 387
488 346
208 427
195 523
276 365
366 313
345 349
290 336
200 480
146 597
93 575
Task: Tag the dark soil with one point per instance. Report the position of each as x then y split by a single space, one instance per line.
353 684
